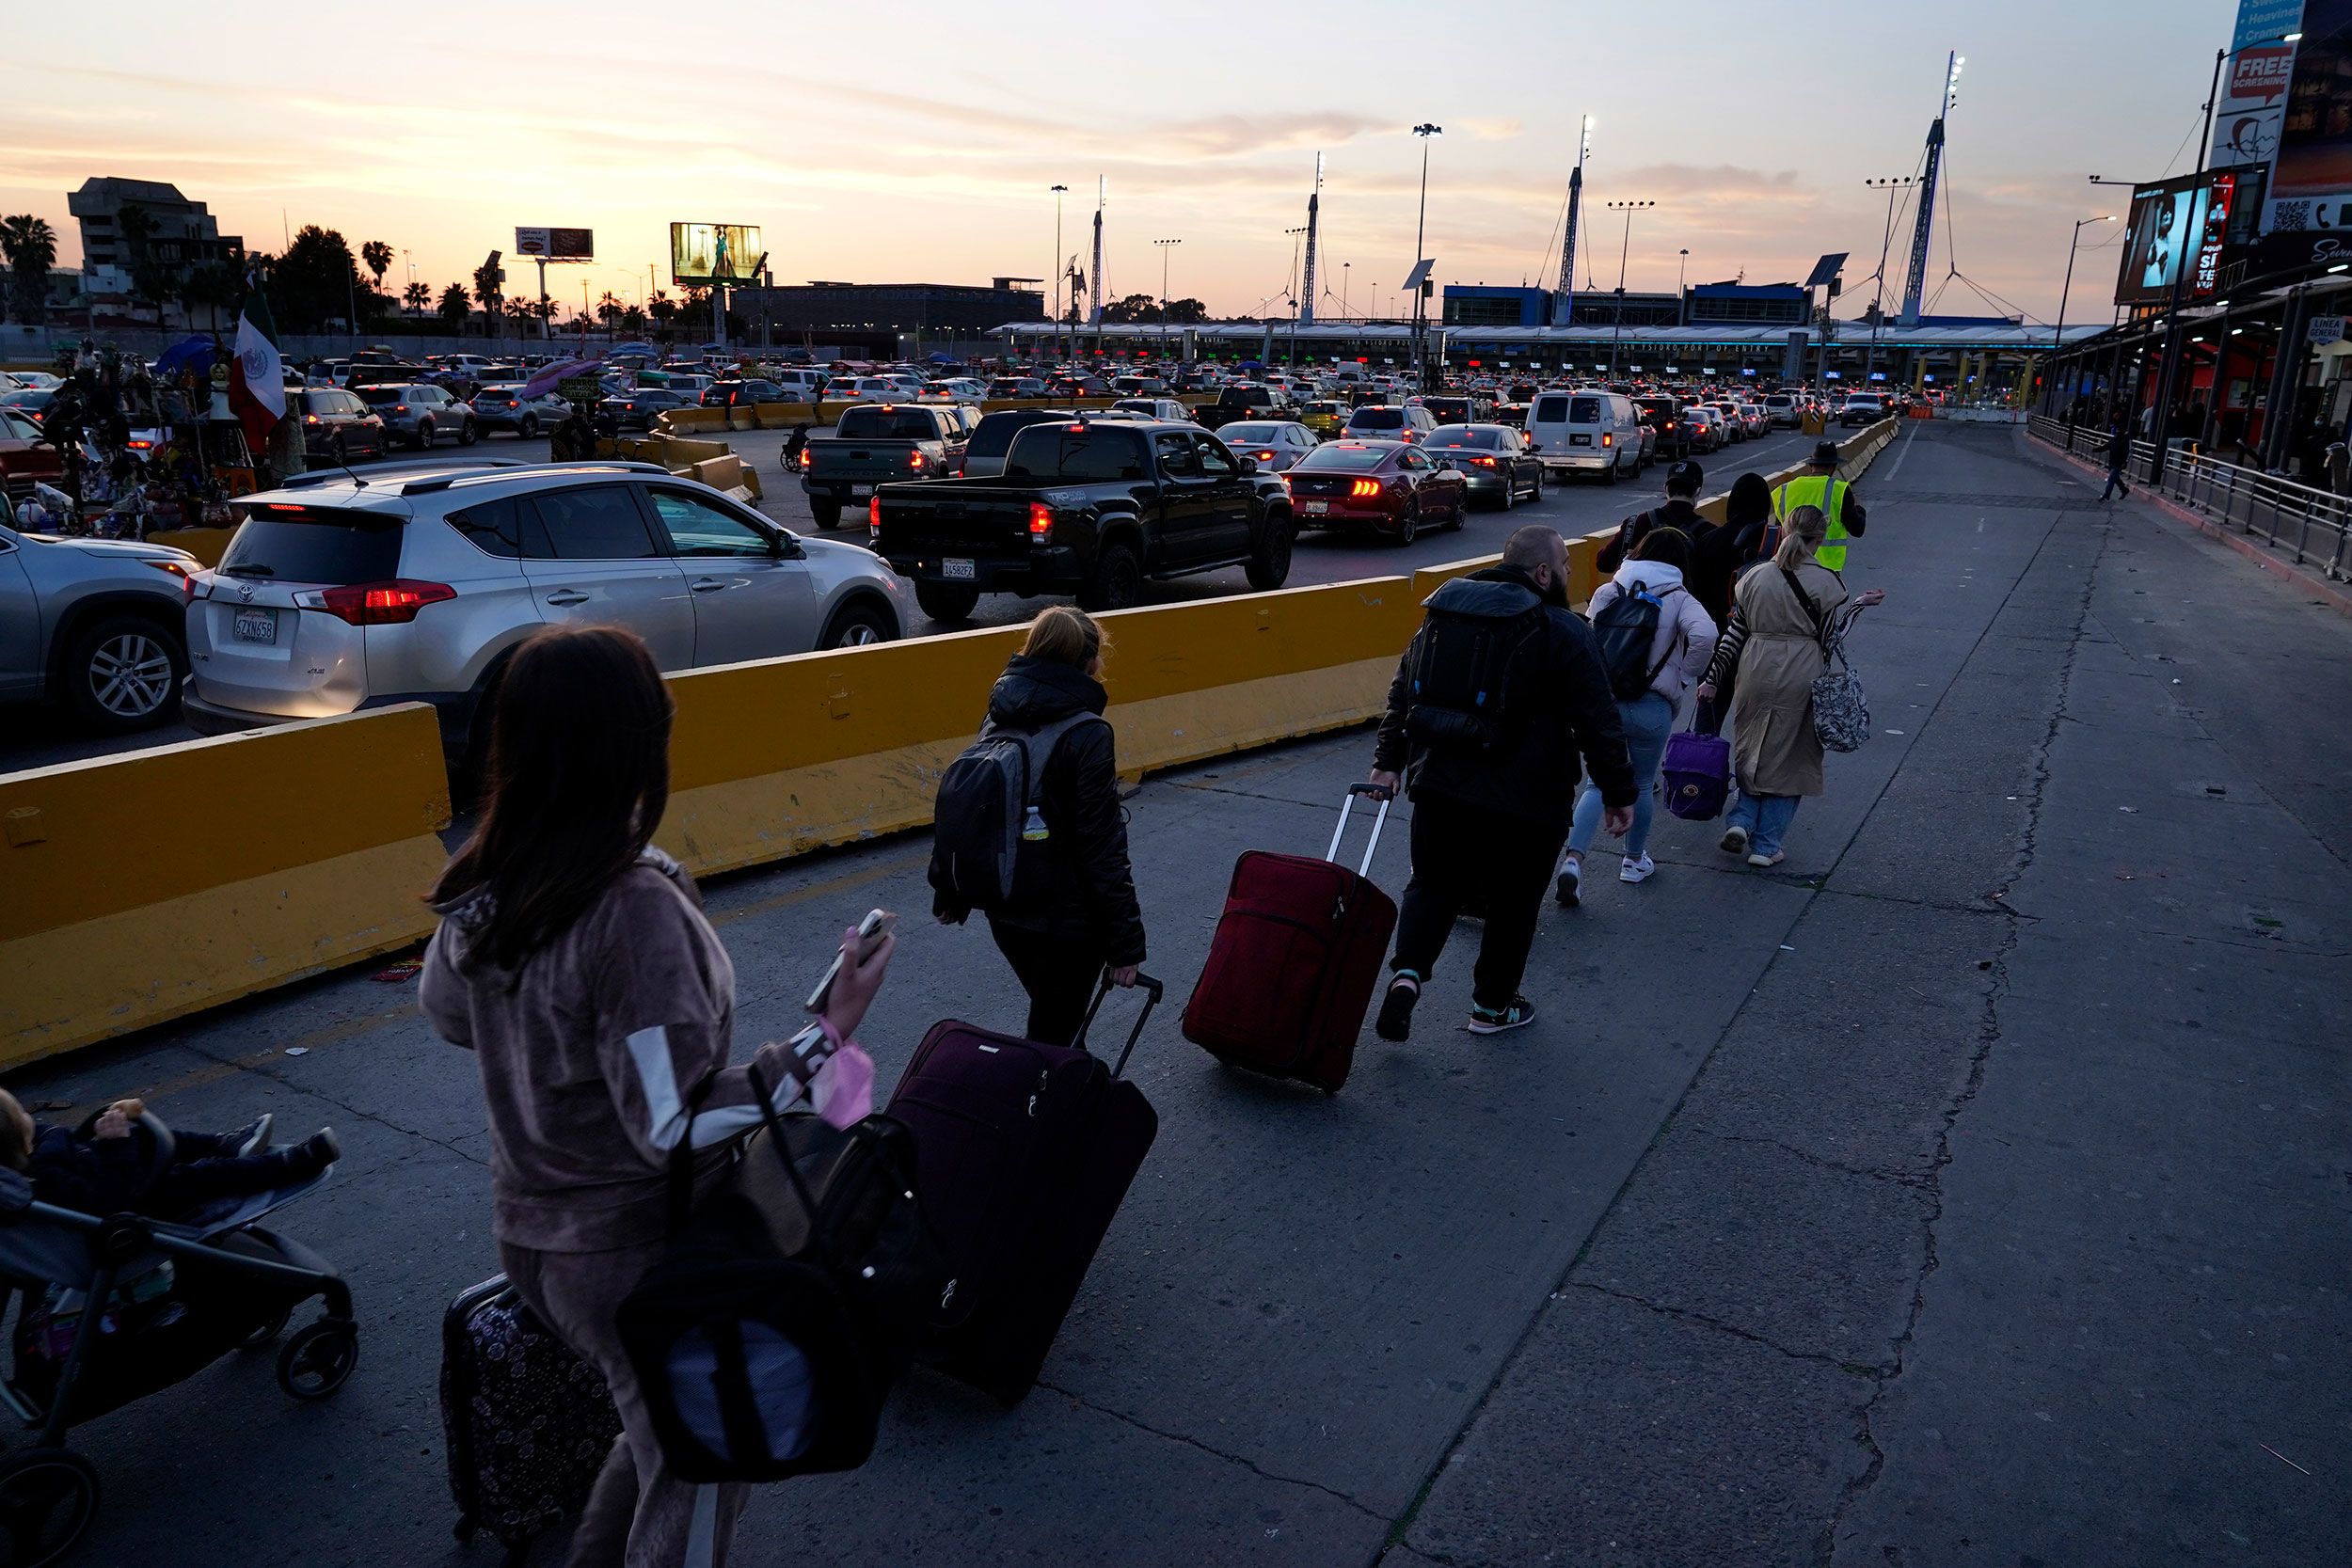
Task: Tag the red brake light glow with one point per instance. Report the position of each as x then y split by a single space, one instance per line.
808 458
916 460
1041 522
378 604
873 513
1608 439
1364 488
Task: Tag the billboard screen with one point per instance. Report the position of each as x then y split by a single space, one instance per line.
713 252
2253 106
556 244
2310 179
2179 224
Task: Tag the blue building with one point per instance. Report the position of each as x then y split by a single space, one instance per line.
1478 305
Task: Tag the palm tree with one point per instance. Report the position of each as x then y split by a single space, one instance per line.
486 292
416 296
456 306
378 256
30 248
608 309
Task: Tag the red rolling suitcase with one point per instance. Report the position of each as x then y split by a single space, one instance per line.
1291 967
1022 1154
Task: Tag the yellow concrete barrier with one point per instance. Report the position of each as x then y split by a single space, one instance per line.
207 545
142 887
775 758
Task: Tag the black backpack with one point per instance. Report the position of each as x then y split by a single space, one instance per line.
755 1363
1461 681
1623 632
984 801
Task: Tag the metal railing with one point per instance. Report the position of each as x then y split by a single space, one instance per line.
2314 525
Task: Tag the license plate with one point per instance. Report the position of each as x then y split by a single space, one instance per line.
1579 441
859 492
257 625
959 571
1315 506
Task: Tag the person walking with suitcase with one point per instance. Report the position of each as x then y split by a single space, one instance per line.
1499 695
1775 644
1655 638
574 961
1029 828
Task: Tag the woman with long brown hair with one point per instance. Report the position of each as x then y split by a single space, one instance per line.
573 959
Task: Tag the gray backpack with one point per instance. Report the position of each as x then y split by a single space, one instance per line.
985 800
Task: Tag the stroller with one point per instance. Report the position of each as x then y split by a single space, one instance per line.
117 1307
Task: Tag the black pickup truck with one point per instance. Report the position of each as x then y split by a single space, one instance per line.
1091 507
876 442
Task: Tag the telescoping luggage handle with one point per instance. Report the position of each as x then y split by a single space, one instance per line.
1378 823
1152 991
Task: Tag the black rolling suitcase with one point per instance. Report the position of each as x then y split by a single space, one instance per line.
528 1423
1023 1154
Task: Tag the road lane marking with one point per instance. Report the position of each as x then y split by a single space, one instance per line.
1901 455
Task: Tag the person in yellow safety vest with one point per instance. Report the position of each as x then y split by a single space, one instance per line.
1819 485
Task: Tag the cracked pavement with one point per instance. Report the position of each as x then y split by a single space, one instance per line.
1973 1189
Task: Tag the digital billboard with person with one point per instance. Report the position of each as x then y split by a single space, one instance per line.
2177 228
714 252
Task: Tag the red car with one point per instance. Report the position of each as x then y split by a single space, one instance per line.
1388 486
26 459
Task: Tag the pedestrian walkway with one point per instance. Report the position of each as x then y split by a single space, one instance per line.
1971 1188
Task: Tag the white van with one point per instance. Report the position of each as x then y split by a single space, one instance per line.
1586 432
798 383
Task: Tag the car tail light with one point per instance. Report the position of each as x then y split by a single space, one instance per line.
1265 457
1608 439
1041 523
1365 487
916 460
381 603
873 514
400 408
307 419
1484 462
808 459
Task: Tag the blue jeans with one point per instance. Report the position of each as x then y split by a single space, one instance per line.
1765 817
1648 719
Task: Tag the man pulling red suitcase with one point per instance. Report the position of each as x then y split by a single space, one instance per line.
1499 694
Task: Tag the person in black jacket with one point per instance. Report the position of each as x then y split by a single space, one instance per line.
2119 453
1720 551
1680 511
1085 918
103 1167
1488 820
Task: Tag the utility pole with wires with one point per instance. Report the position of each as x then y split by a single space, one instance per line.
1893 186
1564 298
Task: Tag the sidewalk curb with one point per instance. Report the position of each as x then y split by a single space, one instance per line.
2336 596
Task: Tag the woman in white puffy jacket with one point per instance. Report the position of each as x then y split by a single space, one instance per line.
1684 643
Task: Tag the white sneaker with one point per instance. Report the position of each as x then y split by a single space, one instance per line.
1763 860
1636 871
1735 841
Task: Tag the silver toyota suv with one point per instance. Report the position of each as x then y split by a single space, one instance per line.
93 624
347 590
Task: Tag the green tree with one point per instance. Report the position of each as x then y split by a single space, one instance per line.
456 306
1187 312
1135 308
485 294
316 281
30 248
416 296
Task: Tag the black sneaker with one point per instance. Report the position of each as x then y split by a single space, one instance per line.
313 1155
1395 1022
1571 889
252 1138
1494 1021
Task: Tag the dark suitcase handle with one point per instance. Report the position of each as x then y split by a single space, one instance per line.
1152 991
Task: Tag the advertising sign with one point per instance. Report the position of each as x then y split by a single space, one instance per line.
2253 106
2181 224
2258 20
2311 179
713 252
556 244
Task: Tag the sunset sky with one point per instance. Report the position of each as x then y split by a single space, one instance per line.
916 141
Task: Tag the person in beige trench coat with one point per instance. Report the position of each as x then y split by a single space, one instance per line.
1774 642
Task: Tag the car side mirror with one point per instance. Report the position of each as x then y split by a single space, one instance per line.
783 545
1248 465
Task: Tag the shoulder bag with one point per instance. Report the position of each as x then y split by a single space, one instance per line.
1841 714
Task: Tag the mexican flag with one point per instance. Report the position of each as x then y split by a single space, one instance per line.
257 377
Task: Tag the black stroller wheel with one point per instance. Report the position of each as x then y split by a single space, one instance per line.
317 1360
47 1499
267 1334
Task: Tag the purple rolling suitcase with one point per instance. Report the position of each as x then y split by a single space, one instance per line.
1697 770
1023 1154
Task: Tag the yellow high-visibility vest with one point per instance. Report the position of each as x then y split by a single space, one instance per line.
1827 493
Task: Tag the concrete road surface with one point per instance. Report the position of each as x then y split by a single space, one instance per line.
1972 1189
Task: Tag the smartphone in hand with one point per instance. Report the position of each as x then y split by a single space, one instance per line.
871 933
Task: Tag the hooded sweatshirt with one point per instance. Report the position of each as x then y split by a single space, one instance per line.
1686 633
589 1053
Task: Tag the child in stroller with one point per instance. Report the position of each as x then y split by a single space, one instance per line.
101 1170
163 1275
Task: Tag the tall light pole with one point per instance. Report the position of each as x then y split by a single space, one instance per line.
1343 267
2058 337
1060 271
1624 247
1294 234
1893 186
1163 246
1421 292
2173 347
